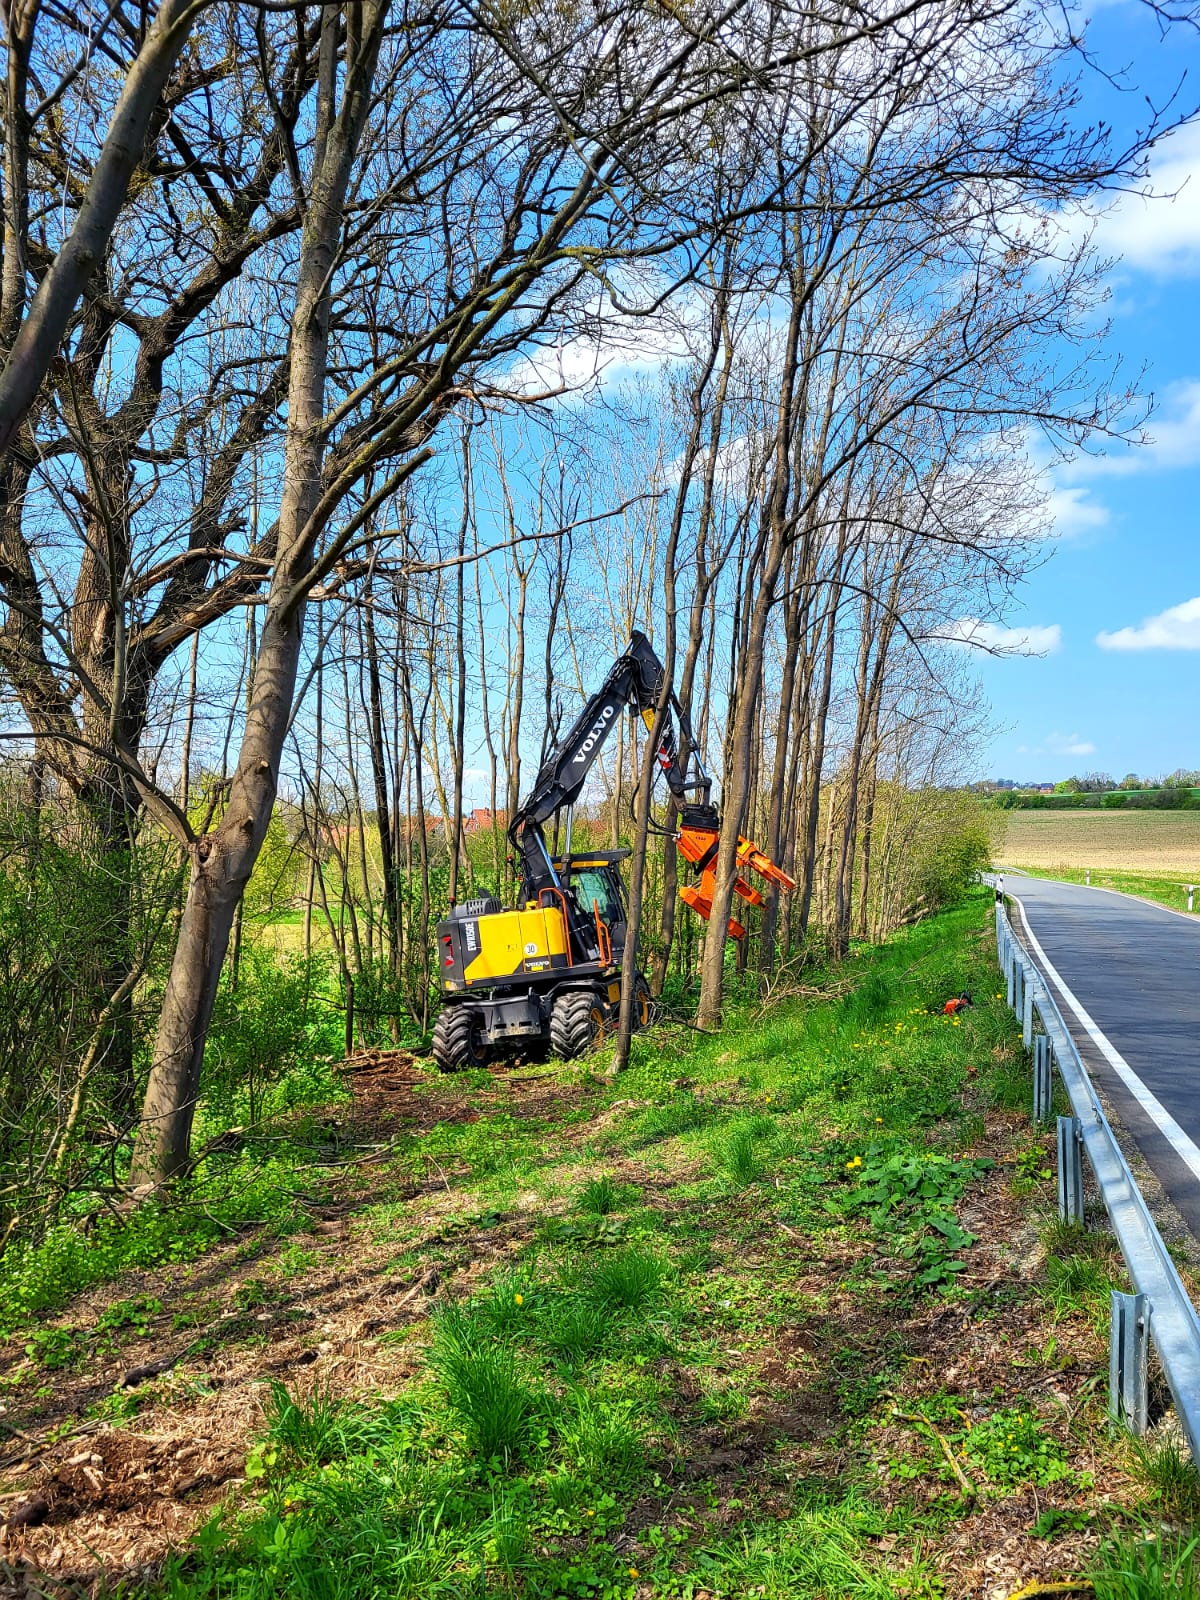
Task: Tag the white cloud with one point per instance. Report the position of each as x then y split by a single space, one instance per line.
1159 231
1072 512
1176 628
1068 744
1036 640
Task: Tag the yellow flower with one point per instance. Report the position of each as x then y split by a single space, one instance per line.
520 1299
634 1573
878 1119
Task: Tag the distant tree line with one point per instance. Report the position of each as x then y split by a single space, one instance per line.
1179 790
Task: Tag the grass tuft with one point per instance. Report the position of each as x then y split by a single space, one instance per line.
600 1197
629 1280
494 1407
1169 1473
575 1329
737 1151
1159 1568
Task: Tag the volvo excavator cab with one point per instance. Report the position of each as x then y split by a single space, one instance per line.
546 973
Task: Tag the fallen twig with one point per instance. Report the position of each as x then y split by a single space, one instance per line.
969 1491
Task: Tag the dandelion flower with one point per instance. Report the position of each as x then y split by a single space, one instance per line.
634 1573
520 1299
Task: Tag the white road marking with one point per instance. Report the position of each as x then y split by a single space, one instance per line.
1183 1145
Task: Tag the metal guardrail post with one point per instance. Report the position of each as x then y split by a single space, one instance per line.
1027 1013
1043 1080
1010 973
1070 1170
1128 1350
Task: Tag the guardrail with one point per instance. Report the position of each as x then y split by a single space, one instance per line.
1159 1308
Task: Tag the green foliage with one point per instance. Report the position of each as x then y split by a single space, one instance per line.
1170 1475
1080 1271
1011 1447
53 1348
600 1197
869 1001
910 1199
78 911
495 1408
135 1313
680 1114
739 1149
268 1031
526 1456
575 1329
948 838
38 1276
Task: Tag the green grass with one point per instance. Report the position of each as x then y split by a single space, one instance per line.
673 1324
1148 1567
553 1409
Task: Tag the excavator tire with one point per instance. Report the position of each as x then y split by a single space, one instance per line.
578 1023
459 1041
642 1004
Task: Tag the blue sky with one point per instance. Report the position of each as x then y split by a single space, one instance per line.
1115 687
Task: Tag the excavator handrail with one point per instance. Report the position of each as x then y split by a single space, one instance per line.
557 894
603 936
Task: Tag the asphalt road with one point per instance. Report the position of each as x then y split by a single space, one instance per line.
1128 980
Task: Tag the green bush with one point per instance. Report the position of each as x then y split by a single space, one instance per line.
268 1034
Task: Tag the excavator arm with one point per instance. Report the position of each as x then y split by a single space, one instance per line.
635 679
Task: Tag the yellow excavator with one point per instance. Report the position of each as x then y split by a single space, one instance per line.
547 972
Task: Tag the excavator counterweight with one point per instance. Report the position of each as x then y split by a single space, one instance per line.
547 973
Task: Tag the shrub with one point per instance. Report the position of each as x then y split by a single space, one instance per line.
267 1034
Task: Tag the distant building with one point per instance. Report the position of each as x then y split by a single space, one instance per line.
483 818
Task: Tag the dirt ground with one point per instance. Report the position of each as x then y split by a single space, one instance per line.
1133 841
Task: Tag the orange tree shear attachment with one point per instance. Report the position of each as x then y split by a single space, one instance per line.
699 846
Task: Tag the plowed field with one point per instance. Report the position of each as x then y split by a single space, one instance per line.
1161 843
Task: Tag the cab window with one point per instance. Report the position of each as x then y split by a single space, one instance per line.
590 884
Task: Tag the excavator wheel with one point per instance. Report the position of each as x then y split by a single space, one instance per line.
642 1004
459 1040
578 1023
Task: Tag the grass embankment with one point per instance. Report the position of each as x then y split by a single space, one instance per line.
767 1316
1166 891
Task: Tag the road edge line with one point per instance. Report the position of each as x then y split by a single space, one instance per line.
1181 1142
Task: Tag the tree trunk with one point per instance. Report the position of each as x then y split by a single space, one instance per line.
221 862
